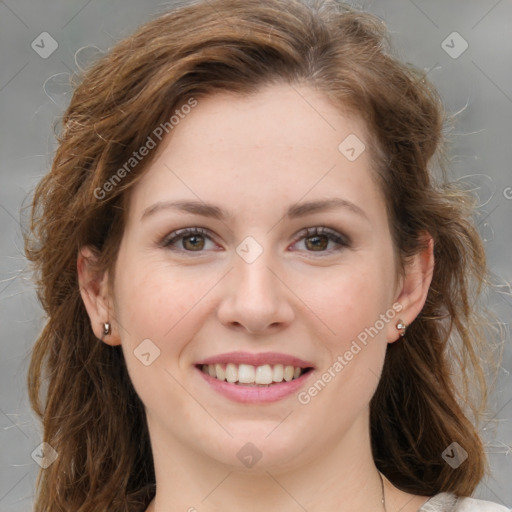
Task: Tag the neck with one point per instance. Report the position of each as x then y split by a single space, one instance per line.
342 478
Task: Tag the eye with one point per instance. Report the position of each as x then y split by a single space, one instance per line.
317 239
192 239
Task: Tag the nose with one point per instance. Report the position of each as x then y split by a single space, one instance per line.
256 298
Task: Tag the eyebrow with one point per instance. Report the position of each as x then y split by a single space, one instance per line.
294 211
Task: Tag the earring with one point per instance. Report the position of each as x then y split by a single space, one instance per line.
106 329
401 327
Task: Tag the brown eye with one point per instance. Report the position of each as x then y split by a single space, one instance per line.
192 240
195 242
317 242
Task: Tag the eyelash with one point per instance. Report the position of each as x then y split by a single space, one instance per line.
342 241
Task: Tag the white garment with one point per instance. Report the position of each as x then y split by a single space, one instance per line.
446 502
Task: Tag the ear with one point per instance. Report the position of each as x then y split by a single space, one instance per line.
95 295
413 287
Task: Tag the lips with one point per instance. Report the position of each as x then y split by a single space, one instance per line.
271 358
247 377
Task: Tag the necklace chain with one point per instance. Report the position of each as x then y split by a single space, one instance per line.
382 488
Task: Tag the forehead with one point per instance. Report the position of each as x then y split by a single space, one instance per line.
279 144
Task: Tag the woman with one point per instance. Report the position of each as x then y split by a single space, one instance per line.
259 296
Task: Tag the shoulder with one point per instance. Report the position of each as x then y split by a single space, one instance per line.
473 505
446 502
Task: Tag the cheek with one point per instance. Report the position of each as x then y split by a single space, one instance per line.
155 309
350 301
167 305
154 301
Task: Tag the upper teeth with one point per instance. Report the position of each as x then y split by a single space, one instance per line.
249 374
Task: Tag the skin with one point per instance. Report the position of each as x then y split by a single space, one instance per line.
255 156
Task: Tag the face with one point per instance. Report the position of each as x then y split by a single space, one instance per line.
232 274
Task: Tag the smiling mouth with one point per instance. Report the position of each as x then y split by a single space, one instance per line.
248 375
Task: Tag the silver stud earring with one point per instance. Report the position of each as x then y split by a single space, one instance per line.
401 327
106 329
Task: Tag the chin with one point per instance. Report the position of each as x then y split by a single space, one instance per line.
254 450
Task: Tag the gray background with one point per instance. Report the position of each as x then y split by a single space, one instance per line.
33 93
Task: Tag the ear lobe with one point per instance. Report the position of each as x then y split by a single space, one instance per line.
95 295
413 287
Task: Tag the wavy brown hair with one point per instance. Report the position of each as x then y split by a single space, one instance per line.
90 412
